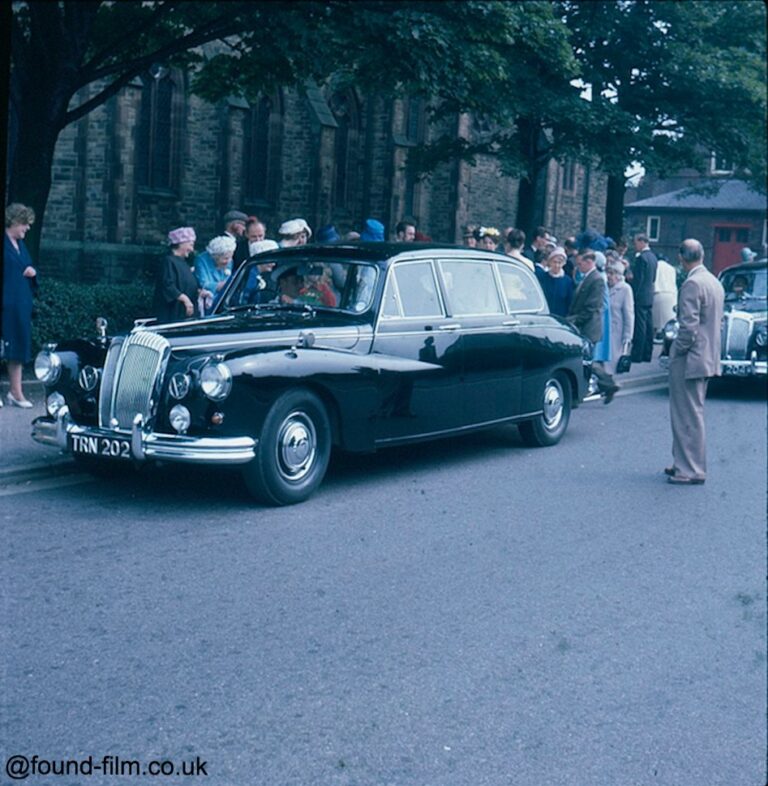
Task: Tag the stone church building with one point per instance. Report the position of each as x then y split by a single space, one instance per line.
155 157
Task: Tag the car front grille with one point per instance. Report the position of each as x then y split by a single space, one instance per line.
737 328
129 381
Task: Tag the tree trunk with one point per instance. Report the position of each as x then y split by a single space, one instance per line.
30 168
526 206
614 206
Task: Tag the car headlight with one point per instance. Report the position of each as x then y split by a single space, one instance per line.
47 366
54 403
88 378
216 381
180 418
761 336
671 329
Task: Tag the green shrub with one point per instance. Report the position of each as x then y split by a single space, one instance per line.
64 310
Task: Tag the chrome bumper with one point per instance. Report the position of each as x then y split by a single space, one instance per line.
148 445
733 368
744 368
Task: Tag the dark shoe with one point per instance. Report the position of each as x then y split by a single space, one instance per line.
681 480
609 394
670 471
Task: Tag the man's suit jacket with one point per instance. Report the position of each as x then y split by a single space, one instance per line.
643 277
586 311
699 314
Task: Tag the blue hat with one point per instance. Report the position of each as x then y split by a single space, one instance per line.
373 231
327 234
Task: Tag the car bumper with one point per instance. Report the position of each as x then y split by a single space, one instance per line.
743 368
733 368
56 432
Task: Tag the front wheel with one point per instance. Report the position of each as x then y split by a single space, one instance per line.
293 450
549 427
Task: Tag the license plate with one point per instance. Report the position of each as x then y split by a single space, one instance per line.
735 370
109 447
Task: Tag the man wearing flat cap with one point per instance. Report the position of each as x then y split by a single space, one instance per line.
234 226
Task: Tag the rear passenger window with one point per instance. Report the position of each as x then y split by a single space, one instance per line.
412 292
520 289
471 288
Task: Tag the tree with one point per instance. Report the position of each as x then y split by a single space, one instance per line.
670 82
67 58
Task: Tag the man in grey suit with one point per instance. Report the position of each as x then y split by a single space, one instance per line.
586 313
693 357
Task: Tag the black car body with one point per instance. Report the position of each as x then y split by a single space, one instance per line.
744 336
423 341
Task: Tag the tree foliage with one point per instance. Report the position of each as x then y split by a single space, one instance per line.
667 79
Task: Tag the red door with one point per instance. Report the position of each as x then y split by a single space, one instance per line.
729 240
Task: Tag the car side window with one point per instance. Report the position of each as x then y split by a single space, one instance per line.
520 289
412 292
471 288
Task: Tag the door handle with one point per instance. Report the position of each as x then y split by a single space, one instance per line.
450 326
511 322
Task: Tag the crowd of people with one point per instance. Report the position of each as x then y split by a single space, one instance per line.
626 302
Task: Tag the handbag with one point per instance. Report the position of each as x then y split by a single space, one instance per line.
624 364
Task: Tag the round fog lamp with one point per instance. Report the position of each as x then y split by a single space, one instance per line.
180 418
47 367
761 338
216 381
54 403
88 378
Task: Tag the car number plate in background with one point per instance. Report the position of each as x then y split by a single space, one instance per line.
737 371
109 447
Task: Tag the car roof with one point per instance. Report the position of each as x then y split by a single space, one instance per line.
381 253
746 267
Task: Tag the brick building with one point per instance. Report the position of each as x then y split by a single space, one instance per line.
156 156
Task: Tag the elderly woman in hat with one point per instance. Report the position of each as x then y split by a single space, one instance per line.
176 289
558 288
19 280
622 312
293 233
213 269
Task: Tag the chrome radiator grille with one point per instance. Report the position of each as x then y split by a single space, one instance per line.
737 328
129 380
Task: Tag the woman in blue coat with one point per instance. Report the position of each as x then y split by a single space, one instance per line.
19 280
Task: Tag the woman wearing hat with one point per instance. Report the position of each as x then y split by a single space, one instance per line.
213 269
488 238
558 288
176 290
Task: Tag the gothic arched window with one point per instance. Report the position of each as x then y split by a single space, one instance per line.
159 130
261 159
344 108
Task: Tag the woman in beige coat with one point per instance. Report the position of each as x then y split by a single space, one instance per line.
622 313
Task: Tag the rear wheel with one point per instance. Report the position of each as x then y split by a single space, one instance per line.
549 427
293 450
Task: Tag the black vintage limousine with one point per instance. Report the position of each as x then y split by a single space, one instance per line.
359 346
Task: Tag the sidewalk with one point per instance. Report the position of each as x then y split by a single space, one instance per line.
21 455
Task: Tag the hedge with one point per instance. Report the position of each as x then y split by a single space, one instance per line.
64 310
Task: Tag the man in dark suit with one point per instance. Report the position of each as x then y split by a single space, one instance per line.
586 313
694 357
643 277
234 226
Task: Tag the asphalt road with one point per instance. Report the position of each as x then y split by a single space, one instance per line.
471 612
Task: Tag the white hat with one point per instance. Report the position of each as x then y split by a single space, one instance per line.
260 246
292 227
223 244
305 227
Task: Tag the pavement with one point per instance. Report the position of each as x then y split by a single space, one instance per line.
23 459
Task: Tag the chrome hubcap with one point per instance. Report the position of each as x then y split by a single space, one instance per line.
296 446
553 404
